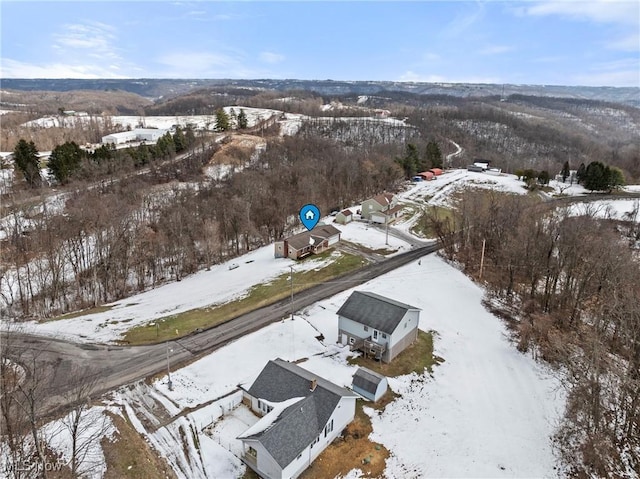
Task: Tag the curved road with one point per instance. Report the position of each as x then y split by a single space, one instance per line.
60 360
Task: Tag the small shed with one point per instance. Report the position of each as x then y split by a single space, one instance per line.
369 384
344 217
436 171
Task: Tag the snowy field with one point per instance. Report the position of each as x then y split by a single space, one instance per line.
202 289
608 209
487 411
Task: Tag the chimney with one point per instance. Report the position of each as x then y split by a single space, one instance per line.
314 383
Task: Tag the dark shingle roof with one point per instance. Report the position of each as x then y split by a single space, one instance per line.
367 380
299 424
378 312
301 240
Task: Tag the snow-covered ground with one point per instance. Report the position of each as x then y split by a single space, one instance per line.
202 289
487 411
622 209
439 191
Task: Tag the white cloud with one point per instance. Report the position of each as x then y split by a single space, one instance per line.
270 57
411 76
496 49
431 57
16 69
601 11
629 43
189 64
624 72
463 22
82 38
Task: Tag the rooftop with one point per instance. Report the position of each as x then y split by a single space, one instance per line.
371 309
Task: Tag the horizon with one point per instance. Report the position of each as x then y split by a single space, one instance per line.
407 82
545 43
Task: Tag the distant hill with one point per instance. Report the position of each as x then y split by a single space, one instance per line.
162 88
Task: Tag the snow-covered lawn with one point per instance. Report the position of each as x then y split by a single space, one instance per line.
202 289
487 411
439 191
608 209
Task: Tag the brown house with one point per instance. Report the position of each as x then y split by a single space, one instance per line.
316 241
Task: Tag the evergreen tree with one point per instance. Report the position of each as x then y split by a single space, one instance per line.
64 161
616 178
222 120
179 140
596 176
243 122
566 171
580 173
543 177
189 136
433 155
25 156
410 161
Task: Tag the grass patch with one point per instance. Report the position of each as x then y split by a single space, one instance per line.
366 249
352 450
129 456
424 226
416 358
83 312
259 295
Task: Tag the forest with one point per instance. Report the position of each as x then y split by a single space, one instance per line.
568 286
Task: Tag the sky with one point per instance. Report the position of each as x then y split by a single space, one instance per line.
594 43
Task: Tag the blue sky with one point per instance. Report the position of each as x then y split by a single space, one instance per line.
538 42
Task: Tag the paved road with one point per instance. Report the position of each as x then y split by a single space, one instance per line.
119 365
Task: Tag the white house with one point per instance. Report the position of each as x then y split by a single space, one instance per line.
369 384
139 134
377 325
383 202
302 414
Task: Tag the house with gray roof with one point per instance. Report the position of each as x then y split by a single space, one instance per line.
376 325
299 246
369 384
386 202
302 414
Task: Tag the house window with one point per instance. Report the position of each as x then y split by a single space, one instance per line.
328 428
315 441
405 324
252 452
352 340
366 328
384 336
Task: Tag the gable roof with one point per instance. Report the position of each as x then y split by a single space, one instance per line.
322 232
367 380
299 424
371 309
384 199
346 212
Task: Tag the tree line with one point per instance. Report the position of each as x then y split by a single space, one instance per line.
68 161
141 231
569 286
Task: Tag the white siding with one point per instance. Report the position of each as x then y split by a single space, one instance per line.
407 325
266 464
352 328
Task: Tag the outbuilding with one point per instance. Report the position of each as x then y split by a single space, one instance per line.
369 384
344 217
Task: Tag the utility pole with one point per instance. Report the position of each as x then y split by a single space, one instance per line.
169 369
482 258
386 223
291 277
